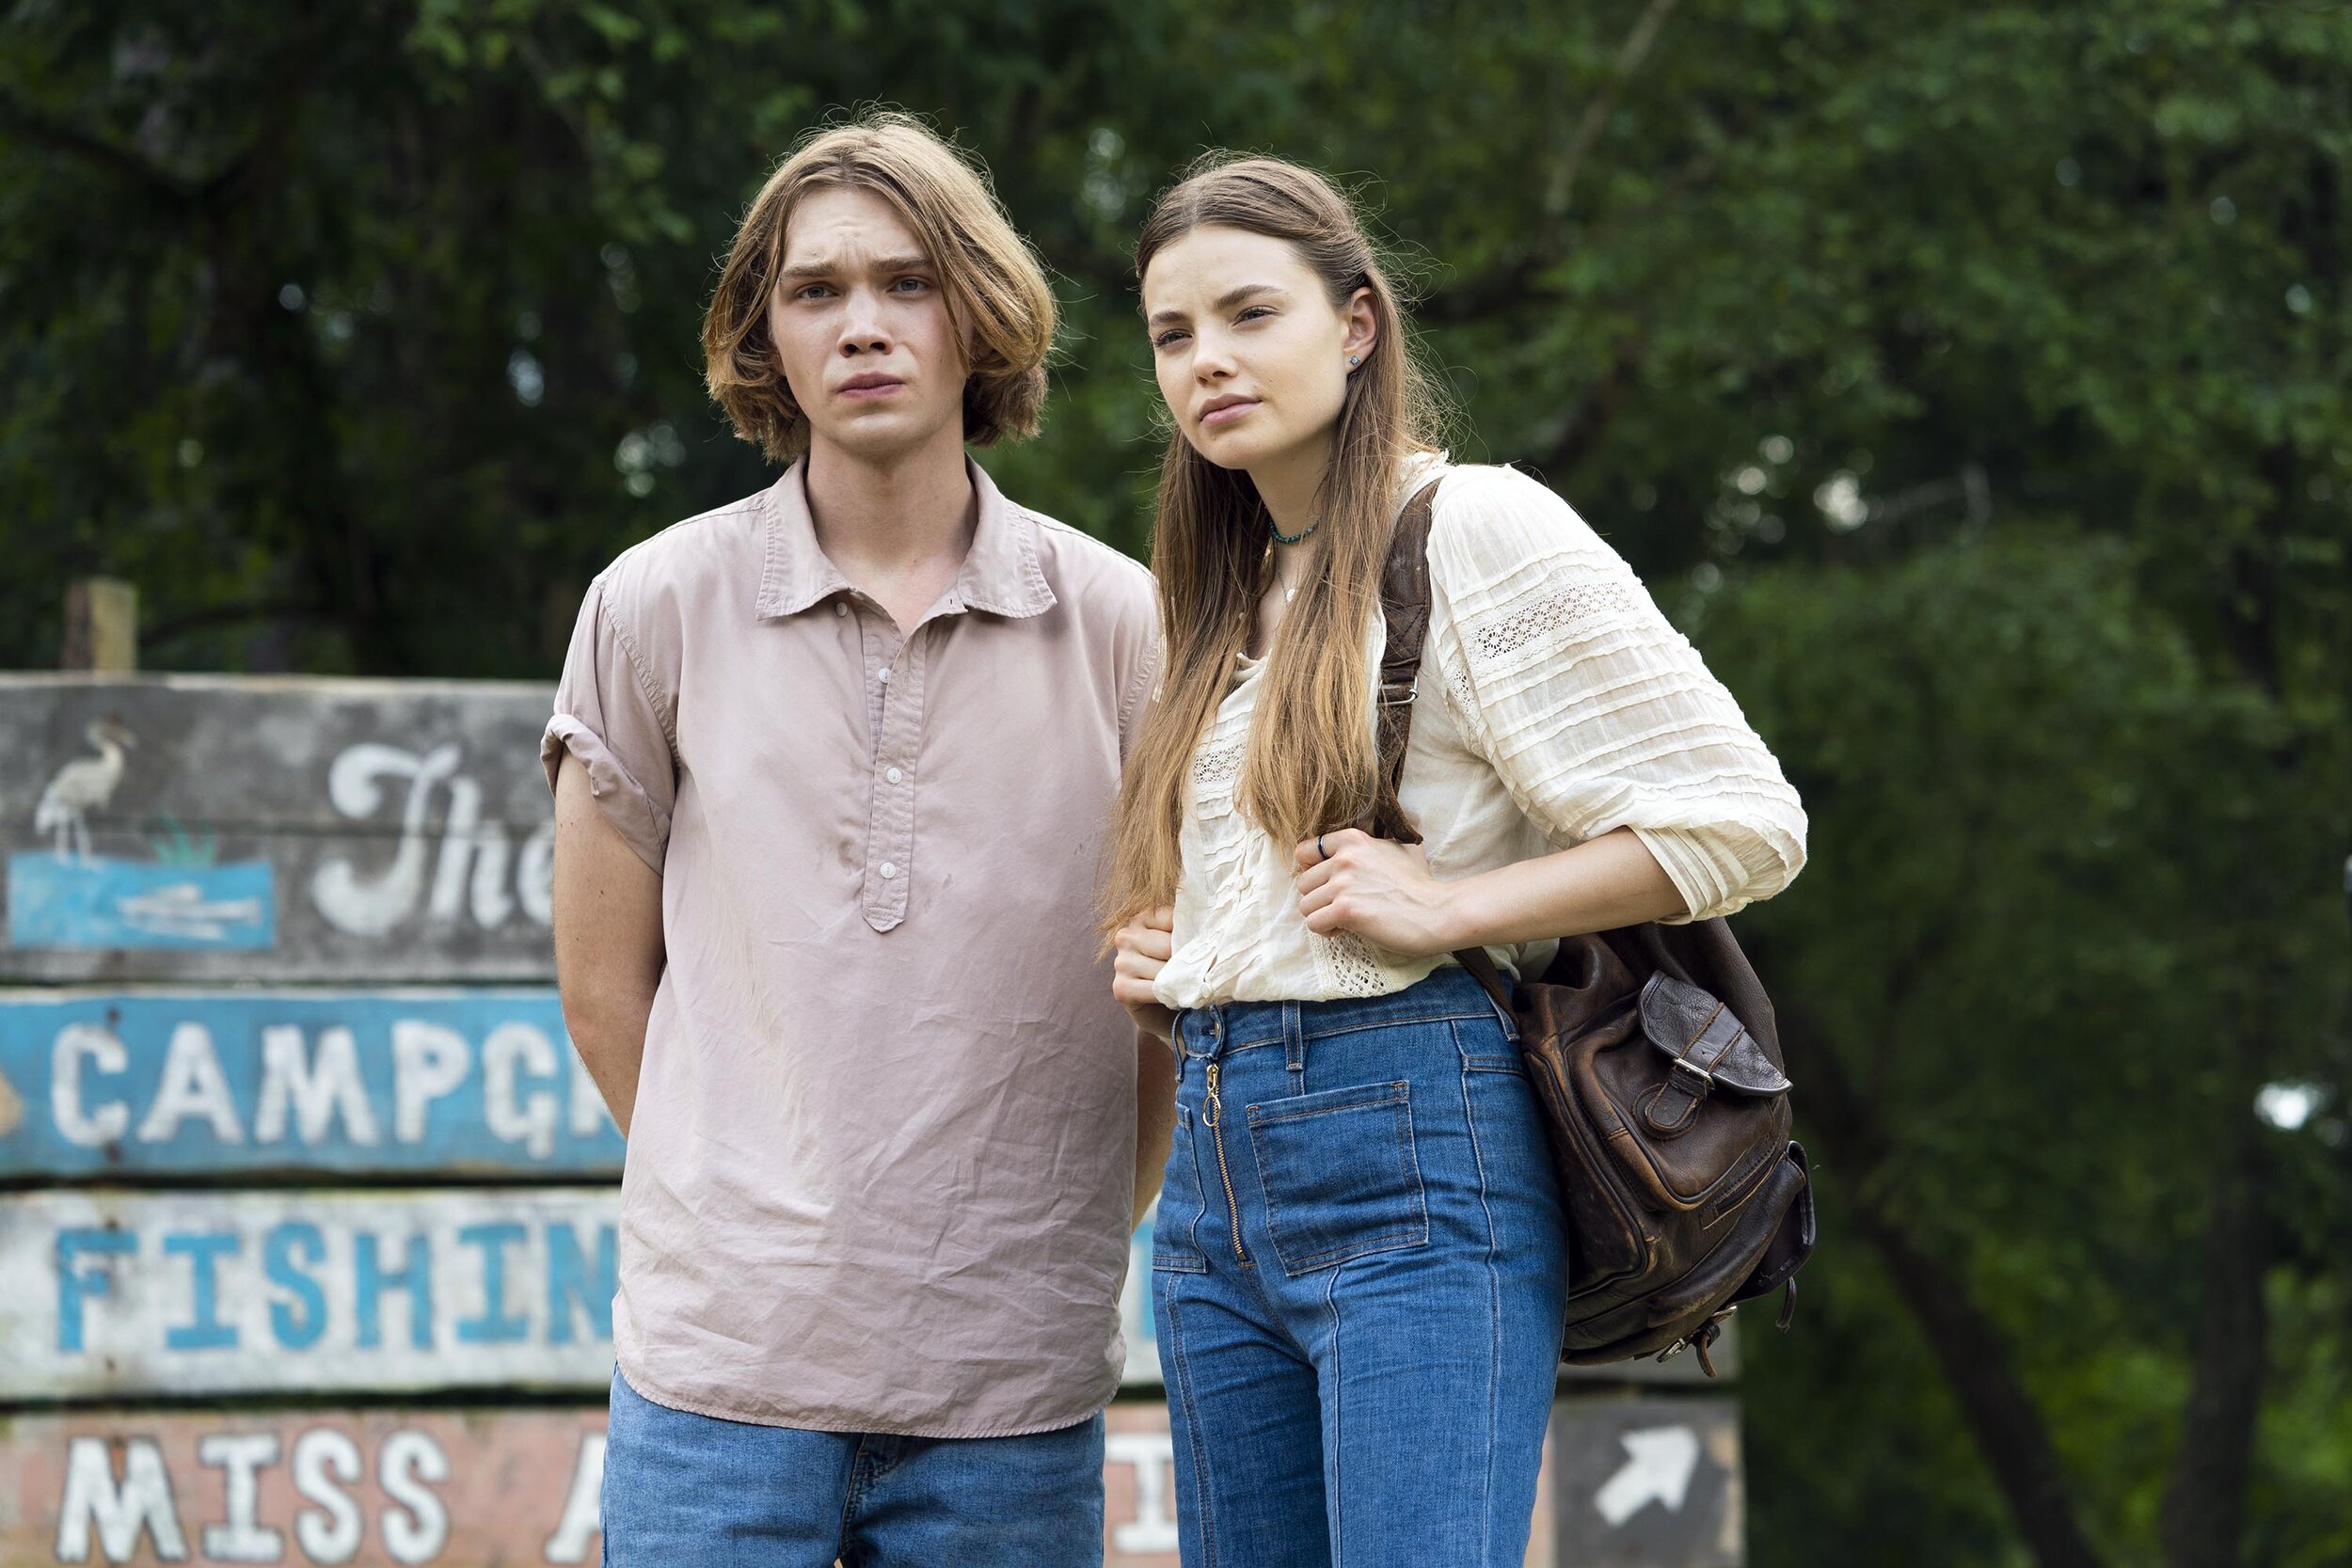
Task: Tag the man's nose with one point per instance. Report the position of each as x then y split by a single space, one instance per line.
862 328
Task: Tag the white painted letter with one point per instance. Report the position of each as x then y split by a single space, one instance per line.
315 1089
535 874
588 1112
322 1457
428 1061
408 1459
582 1514
141 1504
240 1456
364 908
108 1122
531 1123
193 1086
466 838
1153 1527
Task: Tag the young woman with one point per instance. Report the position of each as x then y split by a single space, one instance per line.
1359 1269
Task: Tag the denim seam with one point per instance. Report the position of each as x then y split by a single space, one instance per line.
1192 1424
1494 1305
1334 1439
848 1499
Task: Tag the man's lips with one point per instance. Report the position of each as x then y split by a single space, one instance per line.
866 388
1226 410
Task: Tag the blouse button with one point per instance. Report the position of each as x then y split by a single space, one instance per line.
839 608
895 776
888 870
886 677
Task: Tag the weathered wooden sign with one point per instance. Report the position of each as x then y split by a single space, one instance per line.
1648 1483
471 1489
358 1083
202 826
119 1295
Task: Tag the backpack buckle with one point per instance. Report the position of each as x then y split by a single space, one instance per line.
1396 693
1702 1083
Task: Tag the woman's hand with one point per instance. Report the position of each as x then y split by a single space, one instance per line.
1145 944
1378 889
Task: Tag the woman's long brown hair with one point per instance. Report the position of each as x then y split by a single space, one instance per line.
1309 766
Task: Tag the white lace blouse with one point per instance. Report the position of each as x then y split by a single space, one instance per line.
1555 703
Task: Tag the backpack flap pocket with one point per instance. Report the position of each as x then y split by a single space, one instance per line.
1707 1049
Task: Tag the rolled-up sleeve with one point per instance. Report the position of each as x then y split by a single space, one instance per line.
613 716
1595 712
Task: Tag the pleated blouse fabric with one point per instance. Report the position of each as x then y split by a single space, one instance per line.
1555 703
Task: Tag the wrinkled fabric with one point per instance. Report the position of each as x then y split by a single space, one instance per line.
880 1175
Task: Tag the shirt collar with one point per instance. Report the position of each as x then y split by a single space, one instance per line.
1001 573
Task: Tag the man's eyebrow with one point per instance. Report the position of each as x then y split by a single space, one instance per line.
894 264
1224 301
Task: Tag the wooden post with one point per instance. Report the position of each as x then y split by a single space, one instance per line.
102 626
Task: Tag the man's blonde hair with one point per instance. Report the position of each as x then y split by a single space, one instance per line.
995 291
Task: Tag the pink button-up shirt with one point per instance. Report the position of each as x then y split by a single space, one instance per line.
880 1173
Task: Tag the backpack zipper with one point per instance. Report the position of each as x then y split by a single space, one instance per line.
1214 1118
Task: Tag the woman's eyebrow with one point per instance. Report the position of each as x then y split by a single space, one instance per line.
1224 301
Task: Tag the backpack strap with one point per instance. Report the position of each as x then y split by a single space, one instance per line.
1404 605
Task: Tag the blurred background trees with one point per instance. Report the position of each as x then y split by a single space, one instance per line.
1968 378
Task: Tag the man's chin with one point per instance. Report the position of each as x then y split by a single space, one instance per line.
885 437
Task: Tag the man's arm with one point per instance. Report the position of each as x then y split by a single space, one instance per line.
1155 1117
608 941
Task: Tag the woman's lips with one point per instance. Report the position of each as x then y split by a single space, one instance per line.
1227 414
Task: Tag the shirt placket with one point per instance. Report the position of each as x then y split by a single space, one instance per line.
895 697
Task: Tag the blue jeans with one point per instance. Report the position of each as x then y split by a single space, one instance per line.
681 1488
1360 1277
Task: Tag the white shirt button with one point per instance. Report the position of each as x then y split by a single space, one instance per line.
839 608
895 776
888 870
886 677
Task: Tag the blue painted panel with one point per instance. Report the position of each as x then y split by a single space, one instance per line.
64 901
353 1082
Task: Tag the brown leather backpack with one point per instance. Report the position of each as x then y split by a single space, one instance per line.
1654 1056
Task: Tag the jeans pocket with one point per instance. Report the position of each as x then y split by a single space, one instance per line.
1339 1173
1175 1223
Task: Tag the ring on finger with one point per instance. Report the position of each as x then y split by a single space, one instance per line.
1321 853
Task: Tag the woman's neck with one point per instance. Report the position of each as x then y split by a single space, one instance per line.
1288 484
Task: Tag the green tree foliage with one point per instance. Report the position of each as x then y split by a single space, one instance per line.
1970 378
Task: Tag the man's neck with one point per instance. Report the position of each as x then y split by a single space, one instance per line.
880 519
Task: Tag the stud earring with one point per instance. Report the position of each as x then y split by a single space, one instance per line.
1352 358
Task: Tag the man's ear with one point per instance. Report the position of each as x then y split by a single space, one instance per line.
1363 327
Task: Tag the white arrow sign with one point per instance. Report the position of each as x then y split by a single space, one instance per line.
1657 1469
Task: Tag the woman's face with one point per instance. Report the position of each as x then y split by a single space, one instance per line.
1251 356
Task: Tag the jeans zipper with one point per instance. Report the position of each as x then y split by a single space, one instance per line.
1213 1118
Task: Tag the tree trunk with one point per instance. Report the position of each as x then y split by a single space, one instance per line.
2008 1426
2204 1497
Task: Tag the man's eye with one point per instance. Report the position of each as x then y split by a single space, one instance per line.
911 285
812 290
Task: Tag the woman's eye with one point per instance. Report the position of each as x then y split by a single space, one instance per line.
1254 312
1167 340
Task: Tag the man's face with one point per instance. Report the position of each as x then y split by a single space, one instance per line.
862 329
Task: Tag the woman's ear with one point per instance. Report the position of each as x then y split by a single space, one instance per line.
1363 329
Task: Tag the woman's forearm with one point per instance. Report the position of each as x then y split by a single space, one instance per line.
1599 886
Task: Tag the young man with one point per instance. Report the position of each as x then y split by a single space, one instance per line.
834 766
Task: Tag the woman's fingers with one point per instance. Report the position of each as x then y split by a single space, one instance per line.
1146 941
1307 854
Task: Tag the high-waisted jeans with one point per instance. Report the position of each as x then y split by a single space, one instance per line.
1359 1278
